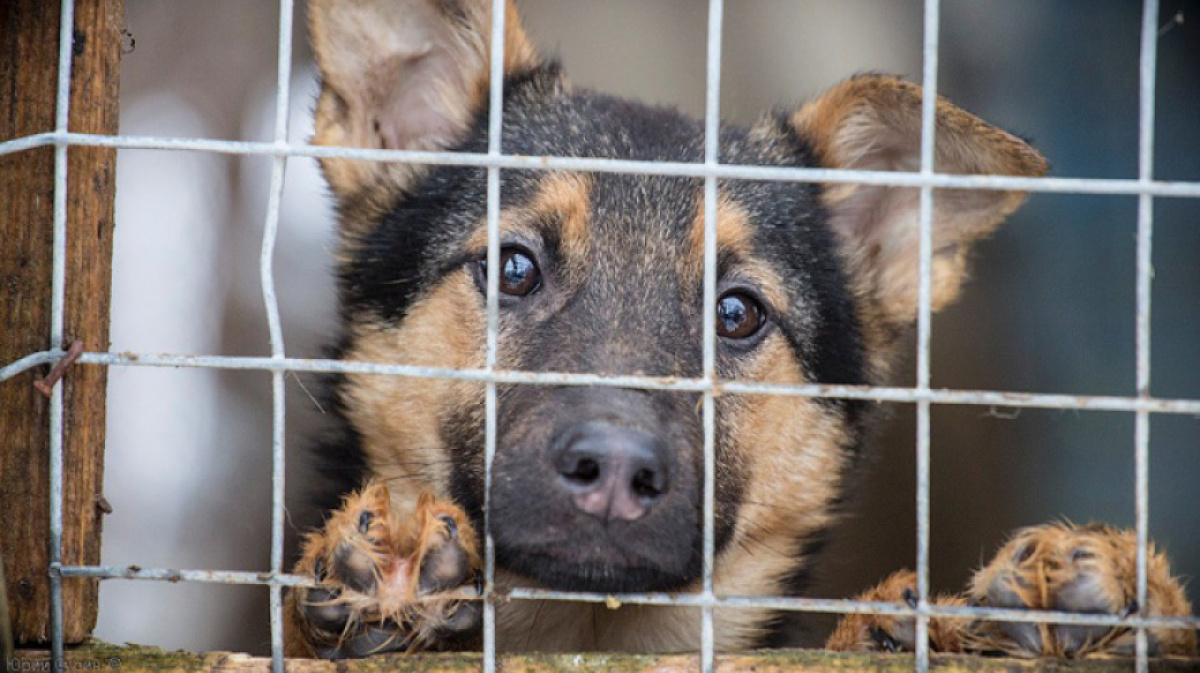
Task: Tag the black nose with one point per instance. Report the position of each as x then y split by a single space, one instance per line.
612 472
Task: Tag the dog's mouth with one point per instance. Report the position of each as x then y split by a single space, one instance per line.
601 568
543 538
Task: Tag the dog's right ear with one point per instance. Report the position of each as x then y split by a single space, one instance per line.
402 74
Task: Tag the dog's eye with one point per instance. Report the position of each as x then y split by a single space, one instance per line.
739 315
519 274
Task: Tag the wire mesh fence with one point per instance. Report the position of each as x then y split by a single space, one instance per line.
922 395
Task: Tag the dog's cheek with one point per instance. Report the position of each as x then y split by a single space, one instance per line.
401 419
792 451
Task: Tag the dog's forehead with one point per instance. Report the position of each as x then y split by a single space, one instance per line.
643 209
588 124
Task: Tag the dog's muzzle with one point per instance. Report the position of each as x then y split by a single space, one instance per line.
594 490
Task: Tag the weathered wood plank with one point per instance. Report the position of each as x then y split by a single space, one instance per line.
28 81
135 659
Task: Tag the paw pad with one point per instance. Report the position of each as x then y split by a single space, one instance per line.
381 574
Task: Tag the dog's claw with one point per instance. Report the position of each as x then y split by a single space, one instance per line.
451 526
1130 609
884 640
381 575
371 639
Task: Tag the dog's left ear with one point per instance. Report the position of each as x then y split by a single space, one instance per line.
874 123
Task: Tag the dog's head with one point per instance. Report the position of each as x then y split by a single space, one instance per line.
599 488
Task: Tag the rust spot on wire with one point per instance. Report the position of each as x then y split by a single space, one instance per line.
46 385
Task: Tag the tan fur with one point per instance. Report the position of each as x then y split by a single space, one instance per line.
785 499
1057 567
1039 562
432 66
735 237
853 632
400 435
393 548
793 449
562 200
566 199
735 233
397 416
874 123
844 124
367 53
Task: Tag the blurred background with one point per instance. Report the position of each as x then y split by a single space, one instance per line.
1051 307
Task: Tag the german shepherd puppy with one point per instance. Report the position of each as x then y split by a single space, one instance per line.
599 488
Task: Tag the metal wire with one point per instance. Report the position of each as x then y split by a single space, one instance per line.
1145 224
495 128
711 170
822 605
692 170
712 147
925 323
274 326
57 319
945 396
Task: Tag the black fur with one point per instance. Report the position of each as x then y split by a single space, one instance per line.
422 239
398 257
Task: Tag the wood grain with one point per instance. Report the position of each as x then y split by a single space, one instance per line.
29 42
135 659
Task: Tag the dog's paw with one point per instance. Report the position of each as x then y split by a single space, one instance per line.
388 583
1087 569
890 633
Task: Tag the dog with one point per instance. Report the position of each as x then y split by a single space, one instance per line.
599 489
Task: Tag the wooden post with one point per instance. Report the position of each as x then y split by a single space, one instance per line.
29 43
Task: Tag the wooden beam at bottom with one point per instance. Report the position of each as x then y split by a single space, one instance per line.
97 657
